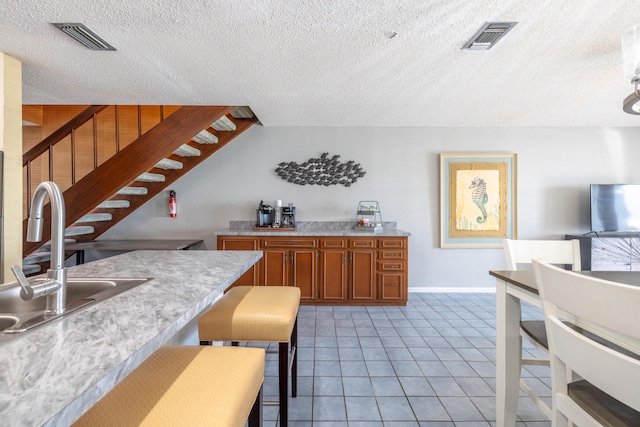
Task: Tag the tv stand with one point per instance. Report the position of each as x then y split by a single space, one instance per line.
609 251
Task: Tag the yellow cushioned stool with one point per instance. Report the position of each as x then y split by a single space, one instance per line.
259 314
190 386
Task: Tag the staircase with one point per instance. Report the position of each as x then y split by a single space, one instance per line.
137 173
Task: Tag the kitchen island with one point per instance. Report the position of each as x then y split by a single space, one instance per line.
54 373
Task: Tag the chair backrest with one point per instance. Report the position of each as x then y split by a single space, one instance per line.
571 298
518 252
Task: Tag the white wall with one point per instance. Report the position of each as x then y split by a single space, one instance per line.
555 168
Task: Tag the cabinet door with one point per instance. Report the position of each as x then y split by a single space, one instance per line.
303 272
274 267
363 279
611 254
391 286
333 275
238 243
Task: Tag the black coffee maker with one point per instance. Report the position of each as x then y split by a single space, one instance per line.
264 215
288 216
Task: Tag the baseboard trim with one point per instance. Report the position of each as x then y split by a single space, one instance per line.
437 289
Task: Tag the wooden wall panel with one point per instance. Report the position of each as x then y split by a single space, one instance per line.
32 114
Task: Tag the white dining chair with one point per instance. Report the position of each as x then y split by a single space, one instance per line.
607 392
519 255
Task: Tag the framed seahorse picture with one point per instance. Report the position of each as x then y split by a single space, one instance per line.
477 199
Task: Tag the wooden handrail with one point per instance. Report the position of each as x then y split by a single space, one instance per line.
61 133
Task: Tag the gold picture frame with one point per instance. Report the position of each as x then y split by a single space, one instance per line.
477 199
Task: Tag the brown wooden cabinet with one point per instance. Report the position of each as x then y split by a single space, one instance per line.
243 243
333 270
350 270
392 269
291 262
274 267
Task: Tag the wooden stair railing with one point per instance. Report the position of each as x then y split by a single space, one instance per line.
138 157
49 142
62 132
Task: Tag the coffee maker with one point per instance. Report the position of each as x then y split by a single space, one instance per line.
288 216
264 215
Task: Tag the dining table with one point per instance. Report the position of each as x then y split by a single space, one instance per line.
513 287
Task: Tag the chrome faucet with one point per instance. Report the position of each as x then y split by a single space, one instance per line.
54 288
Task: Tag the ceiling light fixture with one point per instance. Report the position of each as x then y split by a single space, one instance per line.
83 35
631 67
489 35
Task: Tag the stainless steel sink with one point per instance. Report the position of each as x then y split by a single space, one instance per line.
18 315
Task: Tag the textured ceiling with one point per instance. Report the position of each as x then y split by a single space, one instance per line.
331 63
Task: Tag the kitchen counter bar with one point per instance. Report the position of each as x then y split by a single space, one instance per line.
54 373
311 228
129 245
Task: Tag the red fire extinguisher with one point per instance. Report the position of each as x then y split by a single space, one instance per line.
173 204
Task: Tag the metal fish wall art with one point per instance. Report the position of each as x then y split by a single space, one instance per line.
323 170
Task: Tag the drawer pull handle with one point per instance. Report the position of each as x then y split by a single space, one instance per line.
392 284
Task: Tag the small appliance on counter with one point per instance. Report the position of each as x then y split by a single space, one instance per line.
276 218
264 216
288 216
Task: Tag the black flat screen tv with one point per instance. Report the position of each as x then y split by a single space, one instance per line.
615 207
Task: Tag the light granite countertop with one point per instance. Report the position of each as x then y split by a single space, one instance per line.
311 228
54 373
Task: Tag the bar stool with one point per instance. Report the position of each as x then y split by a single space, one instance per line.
259 314
204 386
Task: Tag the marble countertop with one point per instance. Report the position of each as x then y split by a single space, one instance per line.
311 228
54 373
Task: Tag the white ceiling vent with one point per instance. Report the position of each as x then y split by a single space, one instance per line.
85 36
489 35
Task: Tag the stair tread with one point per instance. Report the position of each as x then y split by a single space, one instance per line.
78 230
94 217
169 164
37 257
47 245
151 177
113 204
133 191
242 112
204 137
31 268
185 150
223 124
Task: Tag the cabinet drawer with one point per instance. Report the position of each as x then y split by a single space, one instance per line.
288 243
384 243
392 266
390 254
392 287
362 243
237 243
333 243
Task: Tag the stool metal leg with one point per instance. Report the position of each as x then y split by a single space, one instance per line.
283 372
294 363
